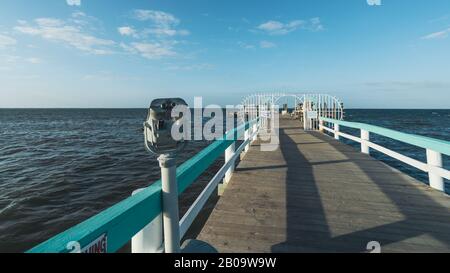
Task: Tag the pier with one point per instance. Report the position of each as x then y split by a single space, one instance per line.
316 194
306 192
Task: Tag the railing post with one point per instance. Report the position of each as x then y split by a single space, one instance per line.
255 129
336 131
321 125
151 238
434 159
170 203
246 137
365 138
229 152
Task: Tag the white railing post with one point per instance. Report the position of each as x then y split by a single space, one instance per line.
246 137
254 130
365 138
336 131
229 152
151 238
321 125
434 159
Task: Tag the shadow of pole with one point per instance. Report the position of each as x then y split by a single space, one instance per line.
301 212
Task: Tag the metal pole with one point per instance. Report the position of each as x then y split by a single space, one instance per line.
171 218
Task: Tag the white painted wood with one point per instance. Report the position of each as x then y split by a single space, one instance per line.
347 136
441 172
247 137
255 131
434 160
336 131
201 200
365 138
405 159
229 152
150 239
328 129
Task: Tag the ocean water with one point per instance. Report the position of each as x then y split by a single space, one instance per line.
430 123
59 167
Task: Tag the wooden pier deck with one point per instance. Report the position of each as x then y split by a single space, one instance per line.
315 194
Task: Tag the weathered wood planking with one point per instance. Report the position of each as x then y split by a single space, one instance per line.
315 194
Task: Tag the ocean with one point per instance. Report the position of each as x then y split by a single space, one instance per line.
59 167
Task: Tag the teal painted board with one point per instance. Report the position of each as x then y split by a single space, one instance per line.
119 222
437 145
192 169
123 220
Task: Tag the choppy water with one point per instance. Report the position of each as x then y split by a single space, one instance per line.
59 167
430 123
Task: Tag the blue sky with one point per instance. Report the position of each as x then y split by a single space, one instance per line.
103 53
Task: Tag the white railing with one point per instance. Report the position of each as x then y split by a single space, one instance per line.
149 239
434 148
224 174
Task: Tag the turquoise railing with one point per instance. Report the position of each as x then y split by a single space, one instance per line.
123 220
437 145
435 148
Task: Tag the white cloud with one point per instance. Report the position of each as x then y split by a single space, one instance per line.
161 31
278 28
158 17
267 44
315 24
437 35
6 41
166 32
193 67
150 50
127 31
34 60
163 23
10 62
73 2
245 45
70 34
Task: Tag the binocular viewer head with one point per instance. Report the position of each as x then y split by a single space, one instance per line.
158 126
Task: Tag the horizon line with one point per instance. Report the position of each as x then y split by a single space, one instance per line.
139 108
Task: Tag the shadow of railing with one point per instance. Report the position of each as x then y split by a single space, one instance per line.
307 229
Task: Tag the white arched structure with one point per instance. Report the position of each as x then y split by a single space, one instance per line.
308 107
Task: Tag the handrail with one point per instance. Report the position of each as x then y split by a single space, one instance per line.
204 196
434 147
123 220
437 145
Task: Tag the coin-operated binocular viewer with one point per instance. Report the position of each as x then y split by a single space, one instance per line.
158 126
160 141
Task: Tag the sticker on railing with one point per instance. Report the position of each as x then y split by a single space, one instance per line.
100 245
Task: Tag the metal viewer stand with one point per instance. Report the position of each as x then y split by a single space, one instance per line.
159 140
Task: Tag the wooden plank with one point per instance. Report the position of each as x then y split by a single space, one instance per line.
315 194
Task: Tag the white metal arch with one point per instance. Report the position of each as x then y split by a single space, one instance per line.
308 107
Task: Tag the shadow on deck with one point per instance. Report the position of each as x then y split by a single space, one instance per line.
315 194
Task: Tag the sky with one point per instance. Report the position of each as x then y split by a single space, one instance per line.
123 54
